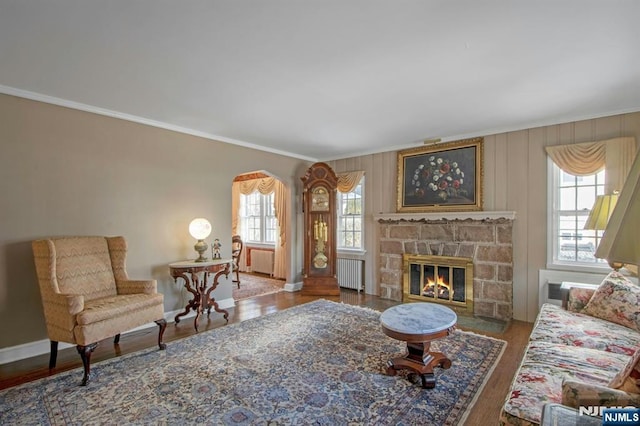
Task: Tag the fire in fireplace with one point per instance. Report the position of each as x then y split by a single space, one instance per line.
440 279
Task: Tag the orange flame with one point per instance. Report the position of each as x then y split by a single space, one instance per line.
442 286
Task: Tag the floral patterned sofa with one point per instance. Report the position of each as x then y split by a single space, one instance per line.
586 354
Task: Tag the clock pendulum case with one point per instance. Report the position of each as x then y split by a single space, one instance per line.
319 205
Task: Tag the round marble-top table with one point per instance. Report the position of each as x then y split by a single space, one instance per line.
419 324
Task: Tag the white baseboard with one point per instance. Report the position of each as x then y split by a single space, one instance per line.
291 287
39 347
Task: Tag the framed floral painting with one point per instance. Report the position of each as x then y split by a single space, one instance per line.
441 177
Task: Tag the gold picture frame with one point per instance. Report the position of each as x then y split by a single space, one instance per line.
441 177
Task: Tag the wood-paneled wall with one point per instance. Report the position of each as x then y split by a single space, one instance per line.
515 179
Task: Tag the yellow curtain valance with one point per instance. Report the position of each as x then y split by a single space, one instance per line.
580 159
347 181
264 186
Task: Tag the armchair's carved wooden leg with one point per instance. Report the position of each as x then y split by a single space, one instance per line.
85 353
116 339
53 357
162 323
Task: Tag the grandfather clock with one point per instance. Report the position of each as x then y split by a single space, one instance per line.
319 203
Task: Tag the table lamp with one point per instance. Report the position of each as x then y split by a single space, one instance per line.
620 244
200 228
601 211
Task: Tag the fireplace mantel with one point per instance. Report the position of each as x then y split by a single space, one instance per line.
412 217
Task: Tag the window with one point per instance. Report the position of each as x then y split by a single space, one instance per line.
257 218
572 200
351 218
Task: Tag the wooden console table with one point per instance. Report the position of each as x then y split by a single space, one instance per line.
190 272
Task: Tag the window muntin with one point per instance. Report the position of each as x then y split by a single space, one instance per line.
573 198
351 218
257 218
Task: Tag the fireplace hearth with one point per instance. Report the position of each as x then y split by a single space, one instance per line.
439 279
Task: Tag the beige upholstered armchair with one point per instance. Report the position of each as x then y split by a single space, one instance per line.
87 295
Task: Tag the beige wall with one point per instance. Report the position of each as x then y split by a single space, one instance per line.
515 179
68 172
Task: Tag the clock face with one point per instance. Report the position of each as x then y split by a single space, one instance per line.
320 199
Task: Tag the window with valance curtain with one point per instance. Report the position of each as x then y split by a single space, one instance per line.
264 186
350 212
577 179
581 159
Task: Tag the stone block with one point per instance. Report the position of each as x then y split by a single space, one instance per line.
410 247
391 278
505 273
477 289
484 308
450 249
499 292
484 271
505 234
504 311
395 294
437 232
391 247
423 248
385 292
467 250
404 232
394 263
476 233
498 254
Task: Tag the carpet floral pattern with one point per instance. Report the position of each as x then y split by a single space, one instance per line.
318 363
253 285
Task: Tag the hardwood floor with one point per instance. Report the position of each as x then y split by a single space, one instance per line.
485 411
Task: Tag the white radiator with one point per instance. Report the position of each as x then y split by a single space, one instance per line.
262 261
350 273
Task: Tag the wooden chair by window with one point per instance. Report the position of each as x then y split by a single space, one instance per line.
236 251
87 295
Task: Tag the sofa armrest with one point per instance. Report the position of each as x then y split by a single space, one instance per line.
137 286
69 304
576 394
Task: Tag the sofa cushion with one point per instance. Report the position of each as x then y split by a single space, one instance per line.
109 307
576 394
578 298
546 365
556 325
616 300
628 379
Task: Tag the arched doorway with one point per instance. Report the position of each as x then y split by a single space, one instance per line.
262 236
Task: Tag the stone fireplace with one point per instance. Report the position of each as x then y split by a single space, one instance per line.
484 238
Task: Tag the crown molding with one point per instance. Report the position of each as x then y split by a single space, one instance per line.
7 90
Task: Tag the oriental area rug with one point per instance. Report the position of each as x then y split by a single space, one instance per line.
254 285
319 363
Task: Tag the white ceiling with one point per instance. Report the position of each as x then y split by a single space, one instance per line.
327 79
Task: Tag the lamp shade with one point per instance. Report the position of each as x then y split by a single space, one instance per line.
200 228
601 211
621 240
